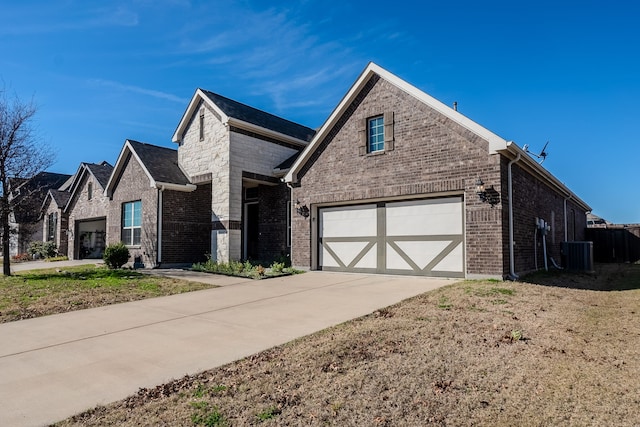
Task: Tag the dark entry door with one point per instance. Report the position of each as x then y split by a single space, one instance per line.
252 234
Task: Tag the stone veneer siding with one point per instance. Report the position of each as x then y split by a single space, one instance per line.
61 238
81 209
186 225
222 157
133 184
432 156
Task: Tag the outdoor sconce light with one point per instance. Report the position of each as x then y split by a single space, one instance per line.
486 195
302 209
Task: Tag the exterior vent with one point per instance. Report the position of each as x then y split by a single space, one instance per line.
578 256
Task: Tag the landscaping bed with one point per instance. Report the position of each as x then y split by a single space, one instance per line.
484 353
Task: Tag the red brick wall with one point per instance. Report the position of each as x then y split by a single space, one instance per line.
432 156
133 184
186 225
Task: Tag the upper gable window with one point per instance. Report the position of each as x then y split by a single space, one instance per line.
89 191
201 124
375 134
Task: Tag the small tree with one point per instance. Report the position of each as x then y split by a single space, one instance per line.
21 156
116 255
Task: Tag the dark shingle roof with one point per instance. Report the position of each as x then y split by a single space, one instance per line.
260 118
161 162
60 197
101 171
289 162
36 190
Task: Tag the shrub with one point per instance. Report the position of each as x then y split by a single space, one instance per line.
42 249
116 255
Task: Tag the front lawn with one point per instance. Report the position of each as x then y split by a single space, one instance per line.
57 290
476 353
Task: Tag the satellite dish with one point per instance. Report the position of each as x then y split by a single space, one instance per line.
543 154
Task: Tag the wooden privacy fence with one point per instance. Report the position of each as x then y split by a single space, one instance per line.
615 244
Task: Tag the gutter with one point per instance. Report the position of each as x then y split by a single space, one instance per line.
187 188
512 273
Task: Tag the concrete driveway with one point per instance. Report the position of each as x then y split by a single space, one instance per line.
56 366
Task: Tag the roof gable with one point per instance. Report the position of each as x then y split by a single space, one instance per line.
244 116
495 142
159 164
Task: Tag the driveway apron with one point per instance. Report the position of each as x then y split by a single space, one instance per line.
56 366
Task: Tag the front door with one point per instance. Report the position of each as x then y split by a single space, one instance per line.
251 231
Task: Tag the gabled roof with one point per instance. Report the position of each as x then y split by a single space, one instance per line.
160 164
243 116
496 143
59 197
37 189
100 171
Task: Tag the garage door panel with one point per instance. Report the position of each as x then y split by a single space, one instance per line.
451 262
348 254
412 254
422 217
418 237
358 221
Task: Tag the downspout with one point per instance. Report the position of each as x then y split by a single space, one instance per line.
512 268
159 251
566 232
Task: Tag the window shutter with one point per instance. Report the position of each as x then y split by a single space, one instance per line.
388 131
362 138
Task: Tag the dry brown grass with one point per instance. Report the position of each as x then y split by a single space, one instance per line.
473 353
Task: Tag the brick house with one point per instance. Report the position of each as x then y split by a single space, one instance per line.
154 209
397 182
87 211
74 214
55 221
25 220
242 153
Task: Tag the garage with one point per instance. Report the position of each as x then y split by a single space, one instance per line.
414 237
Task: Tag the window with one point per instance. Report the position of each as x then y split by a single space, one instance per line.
375 134
52 222
89 190
202 124
131 223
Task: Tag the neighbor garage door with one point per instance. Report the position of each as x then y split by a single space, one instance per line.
417 237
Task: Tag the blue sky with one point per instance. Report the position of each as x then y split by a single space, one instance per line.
567 72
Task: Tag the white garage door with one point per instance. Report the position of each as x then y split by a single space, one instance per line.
418 237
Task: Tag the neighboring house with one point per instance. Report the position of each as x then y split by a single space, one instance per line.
28 195
397 182
74 215
155 210
55 221
242 152
87 210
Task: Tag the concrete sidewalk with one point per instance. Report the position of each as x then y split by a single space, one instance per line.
56 366
41 265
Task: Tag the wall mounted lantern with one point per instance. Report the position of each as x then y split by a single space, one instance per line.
301 209
487 195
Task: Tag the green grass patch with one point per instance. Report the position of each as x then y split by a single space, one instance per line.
57 290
